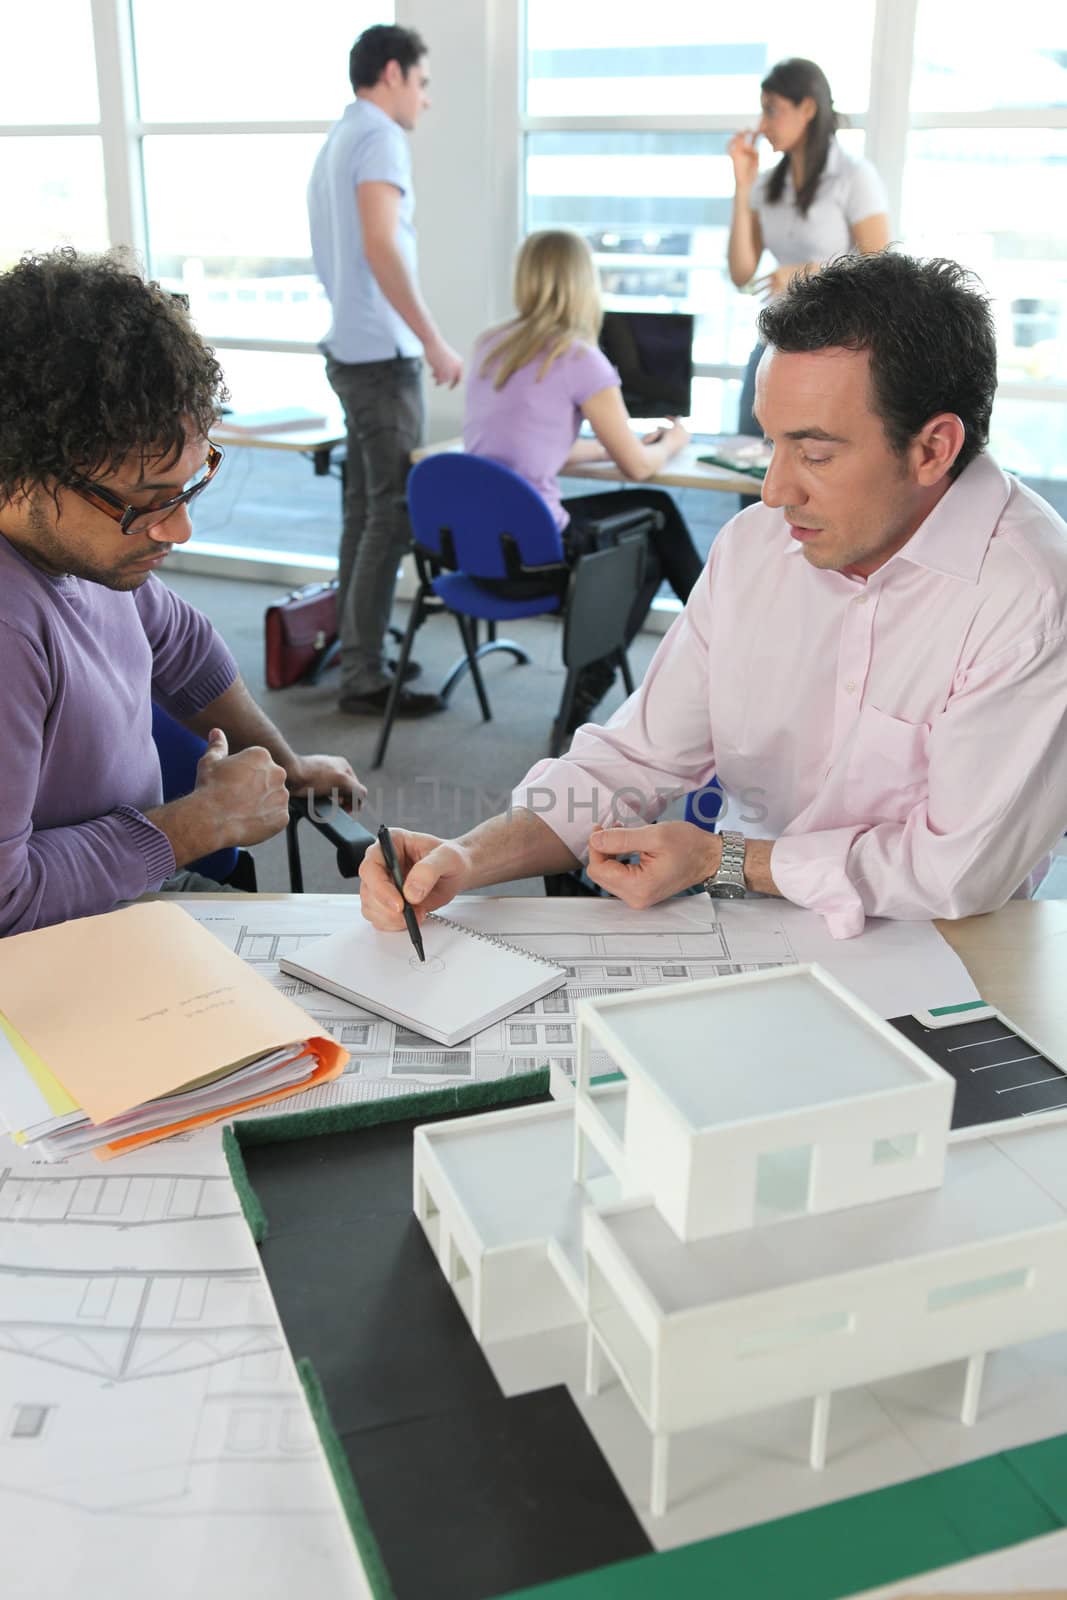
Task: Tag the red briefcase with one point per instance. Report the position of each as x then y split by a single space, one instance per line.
299 631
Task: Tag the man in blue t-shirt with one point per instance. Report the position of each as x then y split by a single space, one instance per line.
361 206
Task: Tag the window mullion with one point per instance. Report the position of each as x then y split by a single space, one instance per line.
892 49
119 126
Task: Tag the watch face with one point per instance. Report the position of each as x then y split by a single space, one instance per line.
725 891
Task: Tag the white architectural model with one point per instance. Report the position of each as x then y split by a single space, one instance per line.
760 1205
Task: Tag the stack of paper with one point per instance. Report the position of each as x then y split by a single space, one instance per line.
120 1029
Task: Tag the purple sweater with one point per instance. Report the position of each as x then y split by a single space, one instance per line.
79 668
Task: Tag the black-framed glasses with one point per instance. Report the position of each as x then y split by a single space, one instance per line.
139 519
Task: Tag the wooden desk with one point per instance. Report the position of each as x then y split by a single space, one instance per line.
317 443
684 472
1017 957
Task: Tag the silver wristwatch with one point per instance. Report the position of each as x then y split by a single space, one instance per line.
729 882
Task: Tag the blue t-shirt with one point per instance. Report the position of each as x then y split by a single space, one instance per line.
365 146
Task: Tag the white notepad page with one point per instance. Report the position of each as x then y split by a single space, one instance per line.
467 982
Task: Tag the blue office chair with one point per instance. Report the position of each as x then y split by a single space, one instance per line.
704 806
179 750
474 520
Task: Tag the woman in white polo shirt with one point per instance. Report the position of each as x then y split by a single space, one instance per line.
817 203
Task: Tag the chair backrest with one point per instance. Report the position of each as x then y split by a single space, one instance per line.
703 806
474 502
179 750
602 588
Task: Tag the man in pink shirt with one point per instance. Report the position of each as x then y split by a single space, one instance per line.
872 663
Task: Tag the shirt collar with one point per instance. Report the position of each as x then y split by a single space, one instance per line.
954 538
362 107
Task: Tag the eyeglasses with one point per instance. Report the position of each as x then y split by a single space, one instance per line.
139 519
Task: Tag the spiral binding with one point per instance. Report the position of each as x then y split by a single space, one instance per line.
491 938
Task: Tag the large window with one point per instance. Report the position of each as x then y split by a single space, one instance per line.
191 141
52 155
626 142
227 155
986 163
628 111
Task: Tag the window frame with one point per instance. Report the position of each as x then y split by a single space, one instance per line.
886 124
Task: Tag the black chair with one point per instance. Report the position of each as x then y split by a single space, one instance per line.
180 749
474 521
346 833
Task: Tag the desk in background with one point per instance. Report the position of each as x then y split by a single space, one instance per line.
318 444
684 472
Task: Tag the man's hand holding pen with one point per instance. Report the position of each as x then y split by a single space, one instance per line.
430 875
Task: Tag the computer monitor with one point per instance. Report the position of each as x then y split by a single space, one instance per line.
653 351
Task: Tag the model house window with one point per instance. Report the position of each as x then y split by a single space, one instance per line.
783 1182
957 1294
902 1147
767 1341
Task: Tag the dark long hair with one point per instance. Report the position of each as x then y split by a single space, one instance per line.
796 79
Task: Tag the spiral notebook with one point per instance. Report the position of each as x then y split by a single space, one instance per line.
468 981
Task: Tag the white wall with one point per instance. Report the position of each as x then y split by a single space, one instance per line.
467 182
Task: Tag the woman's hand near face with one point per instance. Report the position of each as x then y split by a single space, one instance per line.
745 158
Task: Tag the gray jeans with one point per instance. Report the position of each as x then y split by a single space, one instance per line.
383 407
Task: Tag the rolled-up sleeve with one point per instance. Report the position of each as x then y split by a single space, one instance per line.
996 804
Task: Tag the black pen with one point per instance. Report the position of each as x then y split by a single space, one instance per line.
393 866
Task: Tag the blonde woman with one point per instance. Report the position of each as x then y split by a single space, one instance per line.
531 383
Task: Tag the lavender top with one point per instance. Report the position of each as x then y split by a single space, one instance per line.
530 425
79 668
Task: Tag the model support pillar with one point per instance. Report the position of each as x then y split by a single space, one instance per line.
972 1390
820 1427
594 1362
658 1495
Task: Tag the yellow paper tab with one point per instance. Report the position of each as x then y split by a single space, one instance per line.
59 1101
129 1006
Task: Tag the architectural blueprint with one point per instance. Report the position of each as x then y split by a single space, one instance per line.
895 967
153 1434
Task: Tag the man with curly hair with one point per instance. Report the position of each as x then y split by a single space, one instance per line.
107 396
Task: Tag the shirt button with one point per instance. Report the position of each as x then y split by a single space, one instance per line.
861 599
850 686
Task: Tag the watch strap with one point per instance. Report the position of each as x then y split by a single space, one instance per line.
731 863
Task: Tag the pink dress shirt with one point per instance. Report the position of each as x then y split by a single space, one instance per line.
903 738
